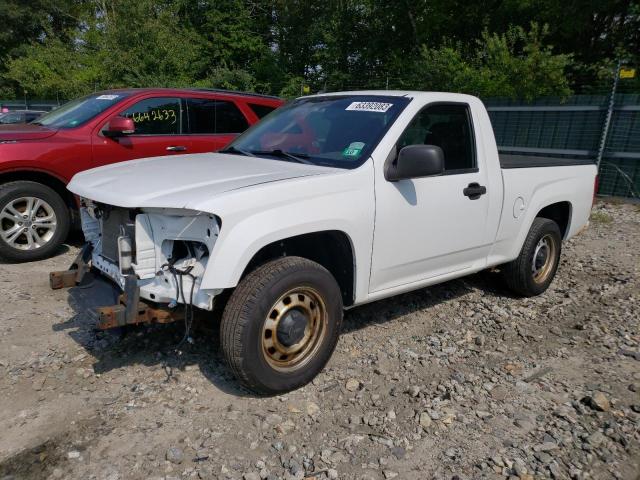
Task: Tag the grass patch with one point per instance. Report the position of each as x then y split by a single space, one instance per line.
601 217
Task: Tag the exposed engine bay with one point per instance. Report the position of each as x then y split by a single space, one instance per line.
165 250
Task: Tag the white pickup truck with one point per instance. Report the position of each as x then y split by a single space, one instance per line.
330 202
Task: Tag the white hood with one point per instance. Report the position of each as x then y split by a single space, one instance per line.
182 181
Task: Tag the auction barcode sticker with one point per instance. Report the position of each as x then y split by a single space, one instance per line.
370 106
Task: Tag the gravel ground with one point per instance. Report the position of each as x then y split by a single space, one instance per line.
457 381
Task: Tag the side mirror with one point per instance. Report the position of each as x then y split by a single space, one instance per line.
118 127
416 161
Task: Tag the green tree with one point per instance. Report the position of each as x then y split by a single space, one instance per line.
55 70
67 47
513 64
24 22
229 79
145 43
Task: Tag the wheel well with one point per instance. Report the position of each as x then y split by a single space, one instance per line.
560 213
45 179
331 249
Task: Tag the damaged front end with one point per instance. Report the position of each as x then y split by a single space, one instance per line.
156 256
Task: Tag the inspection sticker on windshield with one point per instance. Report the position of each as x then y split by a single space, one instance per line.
370 106
107 97
353 150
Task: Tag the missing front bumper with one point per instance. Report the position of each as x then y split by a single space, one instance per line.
124 312
114 316
76 272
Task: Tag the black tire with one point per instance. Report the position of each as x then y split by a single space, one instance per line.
12 192
245 319
520 275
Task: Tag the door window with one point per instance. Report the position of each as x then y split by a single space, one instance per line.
210 116
156 116
447 126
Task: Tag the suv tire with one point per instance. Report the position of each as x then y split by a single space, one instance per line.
34 221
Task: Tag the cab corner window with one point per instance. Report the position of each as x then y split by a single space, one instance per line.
155 116
447 126
211 116
261 111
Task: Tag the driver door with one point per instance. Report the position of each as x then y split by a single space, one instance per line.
428 227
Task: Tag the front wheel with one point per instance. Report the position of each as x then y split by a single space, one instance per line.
281 325
533 271
34 221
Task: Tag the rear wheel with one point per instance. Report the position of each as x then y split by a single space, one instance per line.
533 271
34 221
281 325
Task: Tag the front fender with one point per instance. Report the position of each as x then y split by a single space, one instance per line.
258 216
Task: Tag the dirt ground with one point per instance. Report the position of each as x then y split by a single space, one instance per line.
458 381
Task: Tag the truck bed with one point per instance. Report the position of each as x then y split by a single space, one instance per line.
532 161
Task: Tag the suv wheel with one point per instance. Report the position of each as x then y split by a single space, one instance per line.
281 325
533 271
34 221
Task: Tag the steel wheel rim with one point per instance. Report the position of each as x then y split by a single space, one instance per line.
544 258
27 223
300 300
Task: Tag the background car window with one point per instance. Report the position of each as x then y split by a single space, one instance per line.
12 118
448 127
156 116
214 116
261 110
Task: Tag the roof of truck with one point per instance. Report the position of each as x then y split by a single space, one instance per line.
393 93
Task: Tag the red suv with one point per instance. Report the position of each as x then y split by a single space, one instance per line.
38 159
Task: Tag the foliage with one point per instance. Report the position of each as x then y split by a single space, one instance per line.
54 69
64 48
236 79
293 87
513 64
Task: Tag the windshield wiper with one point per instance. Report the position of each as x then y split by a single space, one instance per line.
296 157
233 149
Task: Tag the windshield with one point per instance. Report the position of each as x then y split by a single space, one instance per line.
79 111
337 131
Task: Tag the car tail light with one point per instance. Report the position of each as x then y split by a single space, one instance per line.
595 191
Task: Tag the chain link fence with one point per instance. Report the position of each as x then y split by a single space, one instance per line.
28 104
575 127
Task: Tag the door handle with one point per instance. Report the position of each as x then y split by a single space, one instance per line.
176 148
474 191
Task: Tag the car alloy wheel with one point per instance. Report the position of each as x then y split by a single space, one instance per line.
27 223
